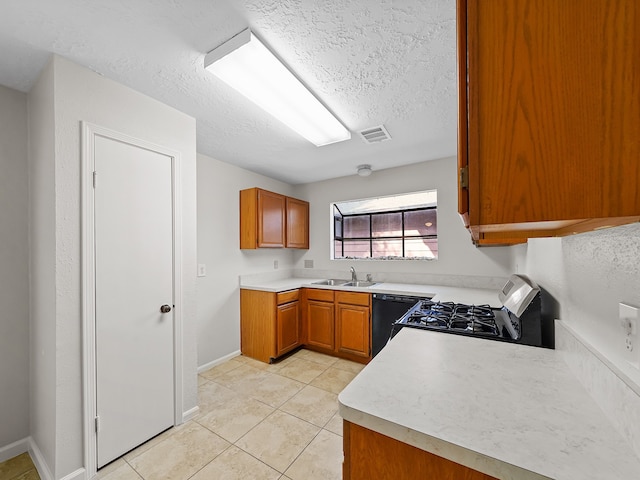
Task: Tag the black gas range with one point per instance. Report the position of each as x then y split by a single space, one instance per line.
518 321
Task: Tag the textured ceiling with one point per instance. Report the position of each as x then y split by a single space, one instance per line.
388 62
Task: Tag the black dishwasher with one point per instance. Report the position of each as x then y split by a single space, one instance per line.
386 309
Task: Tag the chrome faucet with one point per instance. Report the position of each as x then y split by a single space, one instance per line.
354 277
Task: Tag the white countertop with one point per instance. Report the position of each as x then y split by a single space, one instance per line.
511 411
477 296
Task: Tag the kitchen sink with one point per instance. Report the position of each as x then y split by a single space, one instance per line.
331 281
359 284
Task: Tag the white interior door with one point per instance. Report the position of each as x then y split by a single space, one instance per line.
134 279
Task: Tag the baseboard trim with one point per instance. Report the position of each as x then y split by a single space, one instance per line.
38 461
189 414
207 366
14 449
79 474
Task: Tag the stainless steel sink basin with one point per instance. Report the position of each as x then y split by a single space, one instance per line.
359 284
331 282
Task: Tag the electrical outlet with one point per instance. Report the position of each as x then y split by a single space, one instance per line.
202 270
629 321
308 264
629 318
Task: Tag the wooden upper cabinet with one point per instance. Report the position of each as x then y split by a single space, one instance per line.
549 98
271 220
297 223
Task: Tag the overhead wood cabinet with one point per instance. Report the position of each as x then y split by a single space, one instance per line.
549 98
272 220
269 323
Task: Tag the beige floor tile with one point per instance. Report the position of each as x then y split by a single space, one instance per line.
211 395
16 466
201 380
243 379
312 404
302 370
235 464
321 460
274 389
278 440
180 455
348 365
335 424
333 380
149 444
257 364
235 417
221 369
123 471
320 358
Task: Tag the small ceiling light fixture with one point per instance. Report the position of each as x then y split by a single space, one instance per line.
364 170
246 65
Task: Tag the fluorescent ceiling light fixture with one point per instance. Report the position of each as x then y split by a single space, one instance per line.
246 65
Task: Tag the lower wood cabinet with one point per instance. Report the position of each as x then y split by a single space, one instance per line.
269 323
338 323
353 323
369 455
319 318
332 322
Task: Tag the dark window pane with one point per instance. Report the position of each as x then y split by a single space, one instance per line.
356 227
386 225
420 222
357 249
421 247
337 227
387 248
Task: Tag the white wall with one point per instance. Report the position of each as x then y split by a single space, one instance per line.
218 248
80 94
14 268
456 254
588 275
42 266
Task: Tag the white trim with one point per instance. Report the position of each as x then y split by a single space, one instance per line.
88 134
189 414
207 366
38 461
79 474
14 449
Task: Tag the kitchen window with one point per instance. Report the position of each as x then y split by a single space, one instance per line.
397 227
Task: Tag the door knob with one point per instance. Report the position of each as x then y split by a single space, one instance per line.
165 309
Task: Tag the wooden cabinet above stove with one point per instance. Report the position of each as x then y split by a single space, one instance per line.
549 124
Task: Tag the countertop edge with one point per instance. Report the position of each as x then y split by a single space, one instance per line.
455 453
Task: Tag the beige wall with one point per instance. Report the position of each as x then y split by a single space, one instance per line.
218 248
81 95
589 275
456 254
14 288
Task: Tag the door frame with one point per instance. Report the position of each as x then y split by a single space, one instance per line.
89 132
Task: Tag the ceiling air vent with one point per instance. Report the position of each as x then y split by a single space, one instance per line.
375 134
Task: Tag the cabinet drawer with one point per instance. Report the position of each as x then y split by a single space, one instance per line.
353 298
286 297
320 294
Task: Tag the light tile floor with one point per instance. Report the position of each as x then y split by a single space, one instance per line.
256 421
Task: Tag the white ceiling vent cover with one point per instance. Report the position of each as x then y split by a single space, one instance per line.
375 134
